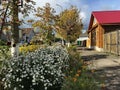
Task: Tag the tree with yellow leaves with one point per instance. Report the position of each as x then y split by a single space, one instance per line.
45 22
70 24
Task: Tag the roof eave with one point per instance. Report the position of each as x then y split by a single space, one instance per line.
92 27
110 23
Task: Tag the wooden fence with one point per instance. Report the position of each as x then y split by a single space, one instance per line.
112 42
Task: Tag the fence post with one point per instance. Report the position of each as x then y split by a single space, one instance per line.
118 42
110 41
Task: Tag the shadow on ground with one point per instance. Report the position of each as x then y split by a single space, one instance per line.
93 57
90 54
110 74
111 77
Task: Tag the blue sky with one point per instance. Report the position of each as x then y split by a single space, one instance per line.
85 6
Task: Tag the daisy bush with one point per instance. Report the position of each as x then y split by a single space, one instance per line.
39 70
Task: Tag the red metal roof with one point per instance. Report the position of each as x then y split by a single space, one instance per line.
107 17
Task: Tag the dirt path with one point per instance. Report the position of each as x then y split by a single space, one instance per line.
107 66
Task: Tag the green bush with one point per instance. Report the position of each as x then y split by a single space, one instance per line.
81 81
75 62
28 48
4 54
78 77
2 42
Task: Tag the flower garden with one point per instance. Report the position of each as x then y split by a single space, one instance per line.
47 68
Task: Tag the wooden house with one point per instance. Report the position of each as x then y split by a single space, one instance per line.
104 31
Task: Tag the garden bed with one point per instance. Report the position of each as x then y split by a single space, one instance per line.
48 68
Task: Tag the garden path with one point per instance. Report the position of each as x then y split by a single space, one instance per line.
106 65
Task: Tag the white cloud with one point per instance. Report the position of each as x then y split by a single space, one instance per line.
58 5
52 2
82 15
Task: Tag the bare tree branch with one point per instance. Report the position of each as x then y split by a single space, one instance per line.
3 20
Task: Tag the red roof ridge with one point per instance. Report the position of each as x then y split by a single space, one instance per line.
107 17
110 17
107 11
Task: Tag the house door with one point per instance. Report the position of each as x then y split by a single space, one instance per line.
93 38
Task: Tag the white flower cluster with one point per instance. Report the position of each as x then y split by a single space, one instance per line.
42 69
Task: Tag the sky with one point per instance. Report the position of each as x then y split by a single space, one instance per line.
85 6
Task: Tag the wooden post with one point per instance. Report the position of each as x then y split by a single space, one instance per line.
118 42
110 41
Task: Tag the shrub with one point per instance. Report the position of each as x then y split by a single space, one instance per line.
75 62
29 48
4 54
78 77
2 42
39 70
81 81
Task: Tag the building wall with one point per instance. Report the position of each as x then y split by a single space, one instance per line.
96 38
99 37
107 38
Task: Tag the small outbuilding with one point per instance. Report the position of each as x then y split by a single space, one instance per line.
81 41
104 31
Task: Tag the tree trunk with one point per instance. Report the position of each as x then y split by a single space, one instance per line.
15 29
68 44
63 42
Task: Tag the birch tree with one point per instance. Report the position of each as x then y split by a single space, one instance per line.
10 10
